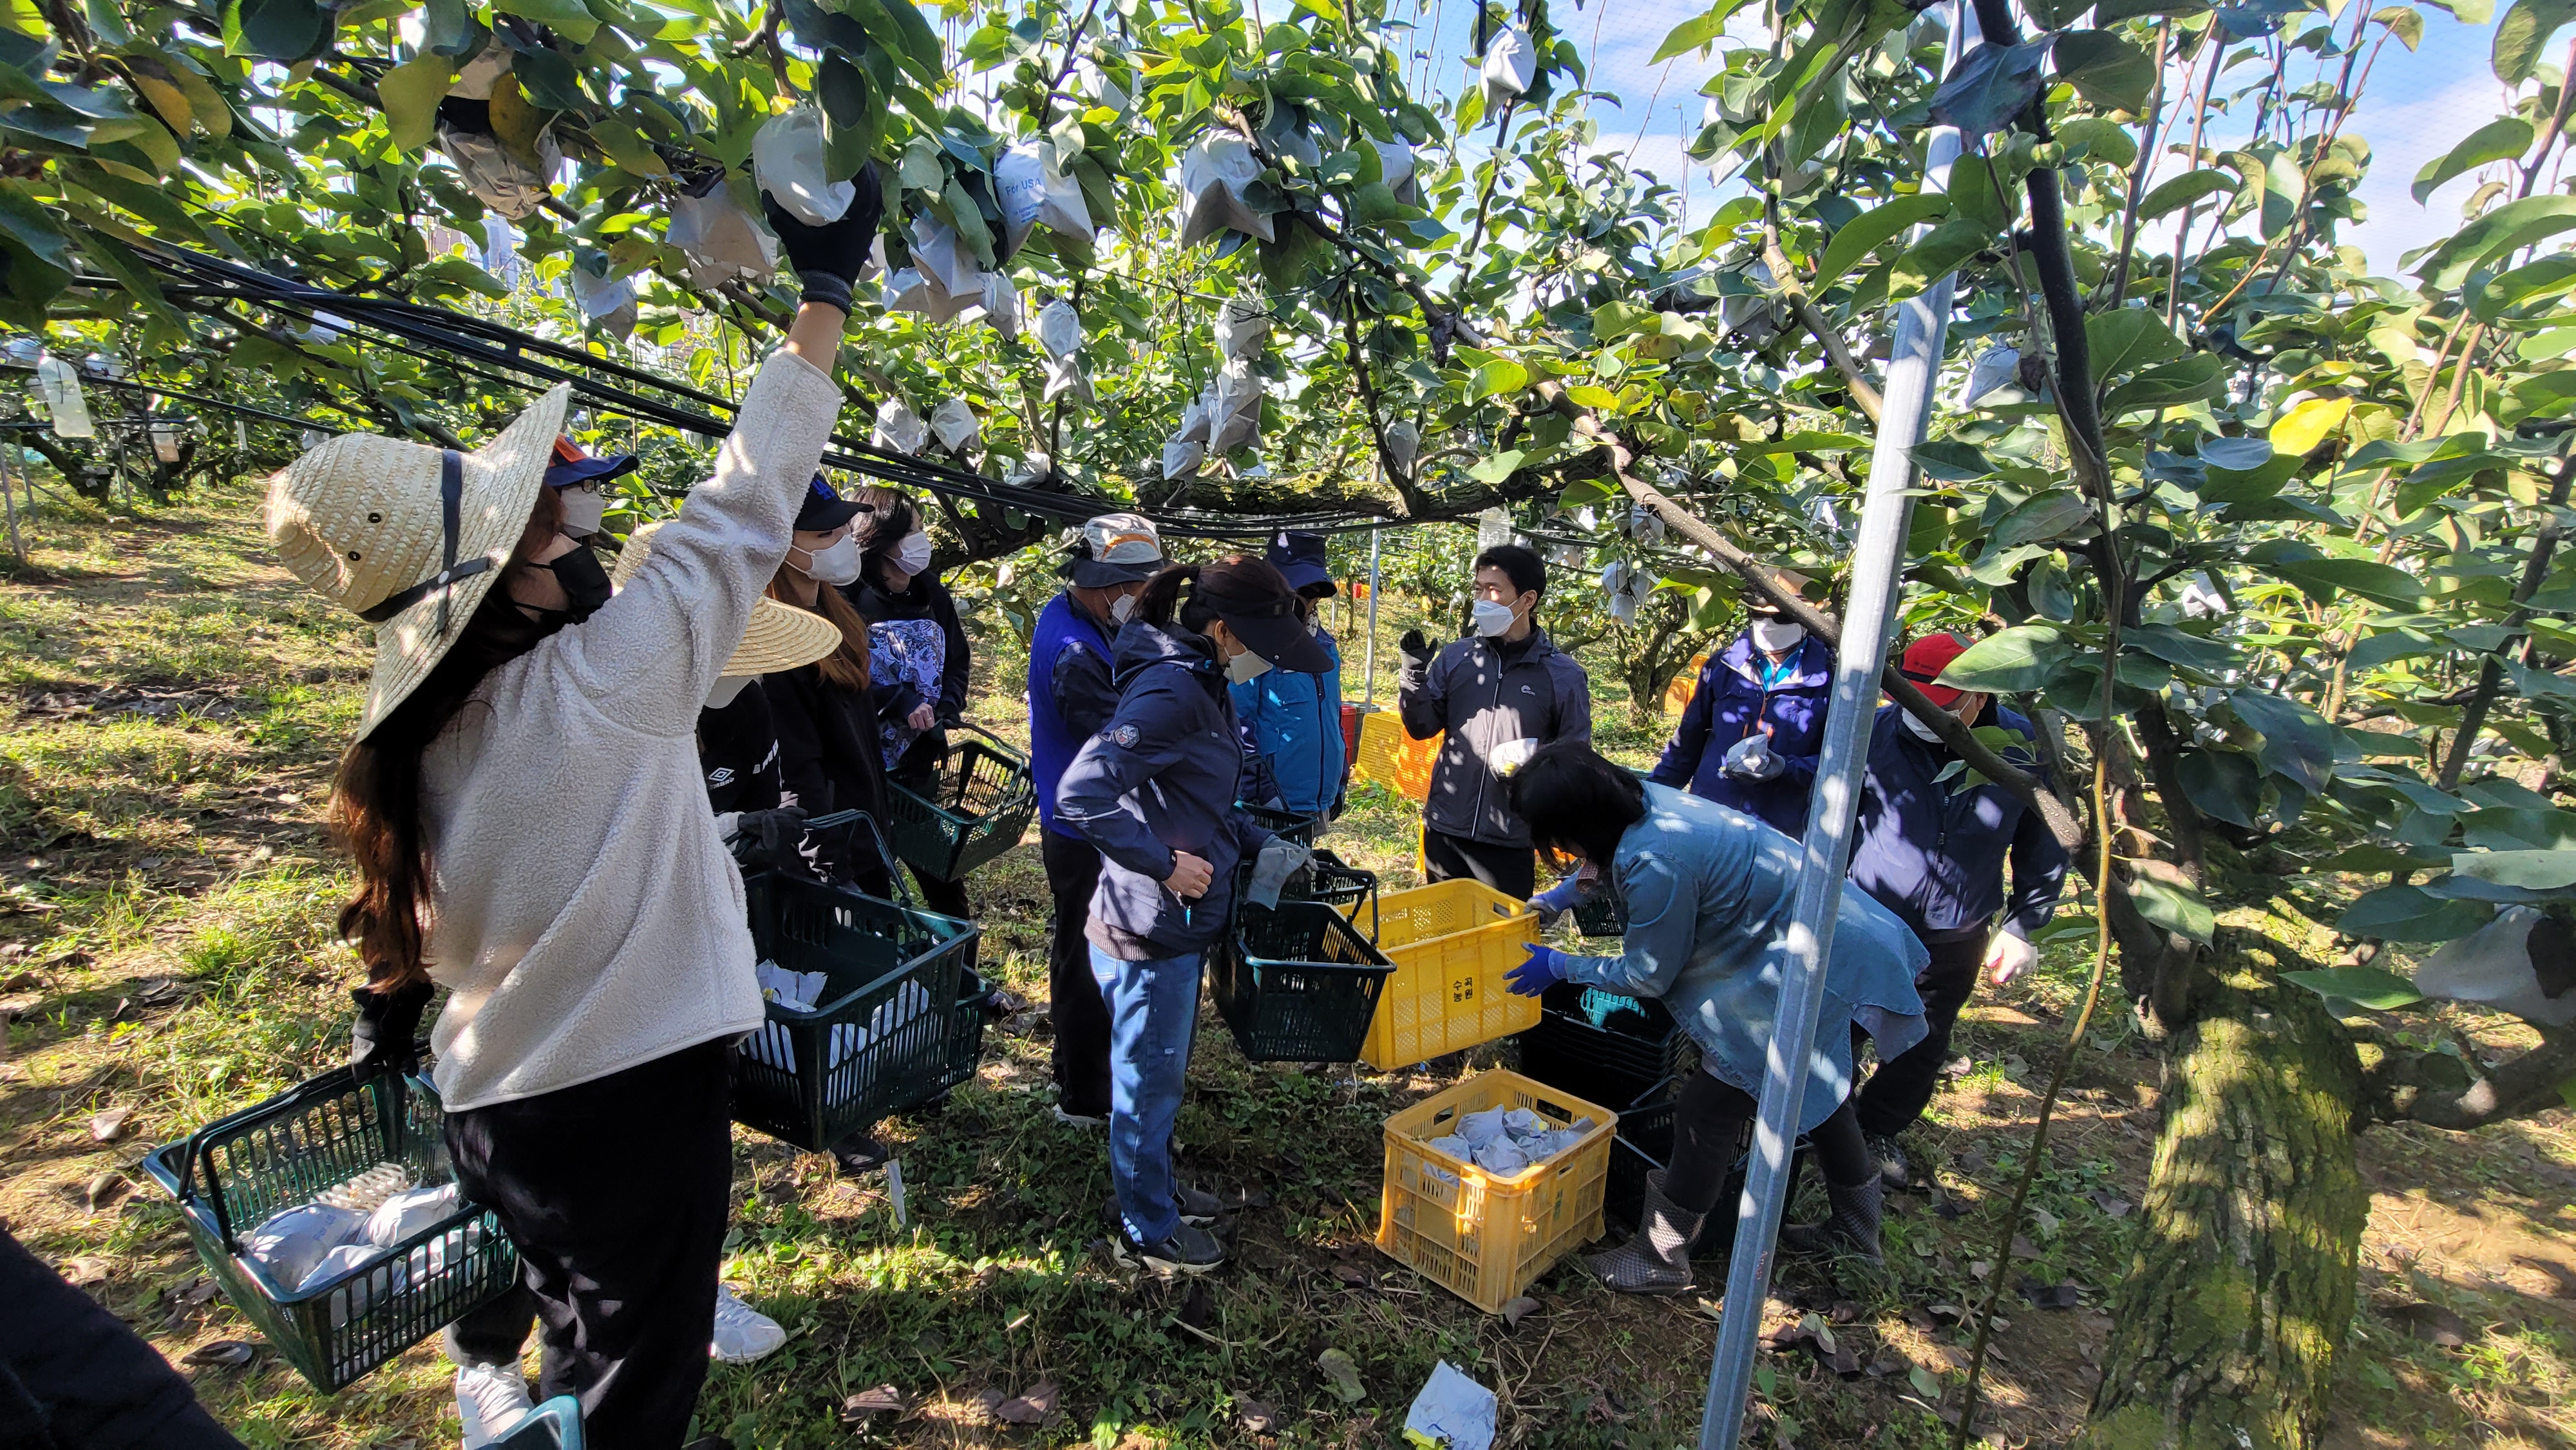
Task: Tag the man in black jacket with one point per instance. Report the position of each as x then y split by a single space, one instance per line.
1499 695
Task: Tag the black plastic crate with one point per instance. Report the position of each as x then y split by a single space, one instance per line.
1292 824
878 1040
231 1175
1325 878
976 807
1604 1046
1600 914
1297 983
1644 1144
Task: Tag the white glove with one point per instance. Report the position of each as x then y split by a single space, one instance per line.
2007 957
1752 759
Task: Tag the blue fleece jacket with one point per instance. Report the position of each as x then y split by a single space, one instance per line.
1070 694
1934 854
1160 778
1293 724
1732 701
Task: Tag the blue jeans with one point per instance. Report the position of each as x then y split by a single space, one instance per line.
1153 1010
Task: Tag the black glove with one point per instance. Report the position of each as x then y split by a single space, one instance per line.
1414 648
385 1038
770 838
829 258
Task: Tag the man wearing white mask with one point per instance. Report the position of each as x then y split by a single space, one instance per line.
1933 851
1070 699
1499 694
1756 720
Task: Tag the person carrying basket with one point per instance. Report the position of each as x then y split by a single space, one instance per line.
1154 791
523 807
919 655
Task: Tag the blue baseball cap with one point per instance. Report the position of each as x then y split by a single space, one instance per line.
824 509
572 466
1300 557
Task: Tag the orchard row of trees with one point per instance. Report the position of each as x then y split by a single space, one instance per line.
2266 542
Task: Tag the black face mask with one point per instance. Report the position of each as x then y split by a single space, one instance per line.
585 586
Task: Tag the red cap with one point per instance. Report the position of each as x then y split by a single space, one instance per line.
1924 661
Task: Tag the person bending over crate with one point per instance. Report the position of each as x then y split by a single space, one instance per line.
919 654
1498 694
1153 791
1708 893
1070 698
523 805
1933 852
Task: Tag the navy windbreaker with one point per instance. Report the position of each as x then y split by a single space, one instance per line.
1935 854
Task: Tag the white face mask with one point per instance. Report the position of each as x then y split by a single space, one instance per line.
1246 666
583 507
1921 731
1776 636
836 564
1122 609
913 554
726 688
1492 619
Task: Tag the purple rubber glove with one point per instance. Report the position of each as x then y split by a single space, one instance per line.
1544 968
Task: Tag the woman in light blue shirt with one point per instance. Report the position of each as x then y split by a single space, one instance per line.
1708 894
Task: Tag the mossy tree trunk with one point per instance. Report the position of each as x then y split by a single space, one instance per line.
2241 1291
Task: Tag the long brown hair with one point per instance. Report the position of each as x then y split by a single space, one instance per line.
846 667
375 798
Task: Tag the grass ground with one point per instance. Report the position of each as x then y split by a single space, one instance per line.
170 703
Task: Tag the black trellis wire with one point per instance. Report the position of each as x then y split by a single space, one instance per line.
501 354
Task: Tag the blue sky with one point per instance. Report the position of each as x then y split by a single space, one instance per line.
2416 105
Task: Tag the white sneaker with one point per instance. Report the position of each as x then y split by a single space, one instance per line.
490 1399
1077 1120
743 1333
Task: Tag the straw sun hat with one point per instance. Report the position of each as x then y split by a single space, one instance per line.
780 636
410 537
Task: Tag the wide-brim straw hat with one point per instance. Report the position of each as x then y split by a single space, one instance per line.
410 537
779 637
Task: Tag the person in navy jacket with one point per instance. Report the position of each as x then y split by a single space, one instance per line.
1070 699
1934 853
1292 721
1154 791
1756 721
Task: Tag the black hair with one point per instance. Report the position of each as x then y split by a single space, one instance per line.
1236 584
1524 568
1577 802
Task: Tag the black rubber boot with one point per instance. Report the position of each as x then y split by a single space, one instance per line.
1657 1260
1850 1226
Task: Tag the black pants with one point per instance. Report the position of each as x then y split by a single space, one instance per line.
1073 997
1901 1088
1709 1127
73 1377
614 1193
1511 870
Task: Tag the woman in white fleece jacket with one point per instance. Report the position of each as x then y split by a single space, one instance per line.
530 832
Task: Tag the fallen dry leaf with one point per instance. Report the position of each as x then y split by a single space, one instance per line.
83 1272
222 1354
866 1404
101 1189
1033 1408
108 1126
2023 1248
1341 1376
2111 1204
1256 1416
1351 1274
2433 1324
1519 1309
2050 1296
986 1401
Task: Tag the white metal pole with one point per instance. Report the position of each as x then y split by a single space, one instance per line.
1914 363
1368 691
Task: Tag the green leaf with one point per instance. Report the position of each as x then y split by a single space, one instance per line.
1951 461
1497 468
1872 229
2128 339
2513 225
26 222
2523 33
1696 33
1936 255
2502 139
411 92
2297 742
1806 442
567 18
280 29
2379 583
1992 84
1591 395
2530 870
2409 914
2181 191
2011 662
2040 518
2171 385
2106 69
108 21
2223 784
1496 378
2180 647
2176 908
2362 986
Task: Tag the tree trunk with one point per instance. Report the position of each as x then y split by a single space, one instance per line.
2242 1286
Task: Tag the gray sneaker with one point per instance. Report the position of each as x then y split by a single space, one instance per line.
1889 1155
1189 1250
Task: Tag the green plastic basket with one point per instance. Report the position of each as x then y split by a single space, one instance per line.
1297 983
966 1021
878 1041
979 804
231 1175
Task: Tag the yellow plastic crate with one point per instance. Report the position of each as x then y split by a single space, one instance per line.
1451 942
1394 759
1483 1237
